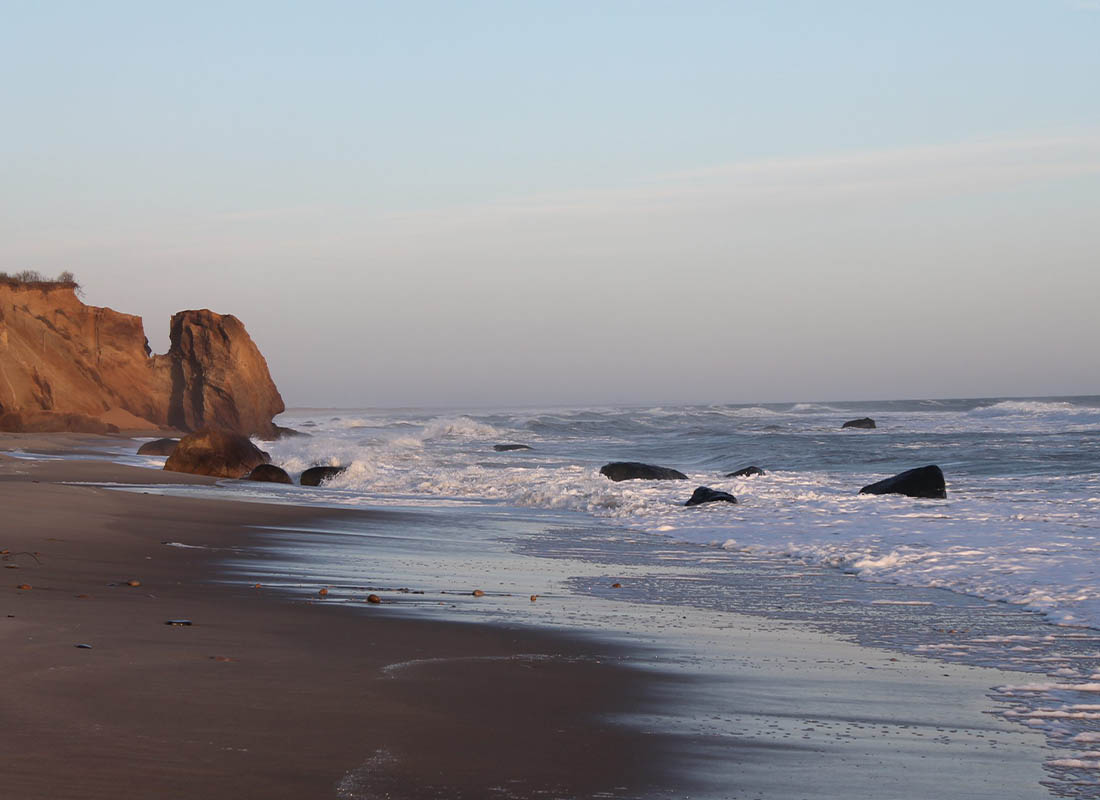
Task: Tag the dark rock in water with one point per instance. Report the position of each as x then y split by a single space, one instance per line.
632 470
704 494
269 473
746 472
863 422
921 482
504 448
278 432
218 453
773 428
158 447
315 476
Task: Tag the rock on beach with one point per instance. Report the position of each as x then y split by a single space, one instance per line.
217 453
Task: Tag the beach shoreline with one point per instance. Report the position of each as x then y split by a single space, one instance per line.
273 694
263 696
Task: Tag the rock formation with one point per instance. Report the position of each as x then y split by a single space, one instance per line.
218 376
158 447
315 476
746 472
704 494
65 365
269 473
632 470
920 482
218 453
862 422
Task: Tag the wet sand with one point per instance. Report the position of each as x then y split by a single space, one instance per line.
263 696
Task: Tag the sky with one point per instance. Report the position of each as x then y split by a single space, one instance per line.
573 203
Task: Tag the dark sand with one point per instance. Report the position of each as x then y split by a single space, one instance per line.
265 697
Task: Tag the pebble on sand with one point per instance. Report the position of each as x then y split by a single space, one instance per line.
323 593
616 586
534 597
133 583
373 598
23 586
478 593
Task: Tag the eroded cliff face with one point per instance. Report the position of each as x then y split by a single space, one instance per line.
65 365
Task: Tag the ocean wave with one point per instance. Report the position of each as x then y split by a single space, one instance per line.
1034 408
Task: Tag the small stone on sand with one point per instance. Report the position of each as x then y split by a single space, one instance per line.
373 598
133 583
323 593
478 593
23 586
616 586
534 597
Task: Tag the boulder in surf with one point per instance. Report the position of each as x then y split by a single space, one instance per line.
269 473
315 476
704 494
862 422
633 470
920 482
746 472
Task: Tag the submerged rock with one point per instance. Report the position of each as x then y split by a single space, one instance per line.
633 470
862 422
269 473
220 454
704 494
746 472
315 476
158 447
920 482
504 448
278 432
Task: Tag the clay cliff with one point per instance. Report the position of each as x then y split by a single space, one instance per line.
65 365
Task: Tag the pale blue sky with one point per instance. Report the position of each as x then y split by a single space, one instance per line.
520 202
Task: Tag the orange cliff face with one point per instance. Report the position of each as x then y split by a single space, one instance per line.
68 366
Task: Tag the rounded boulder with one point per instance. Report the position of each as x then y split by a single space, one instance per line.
220 454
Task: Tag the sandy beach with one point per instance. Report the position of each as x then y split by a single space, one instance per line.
260 696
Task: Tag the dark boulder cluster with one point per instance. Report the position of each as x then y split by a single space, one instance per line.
224 454
924 482
862 422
